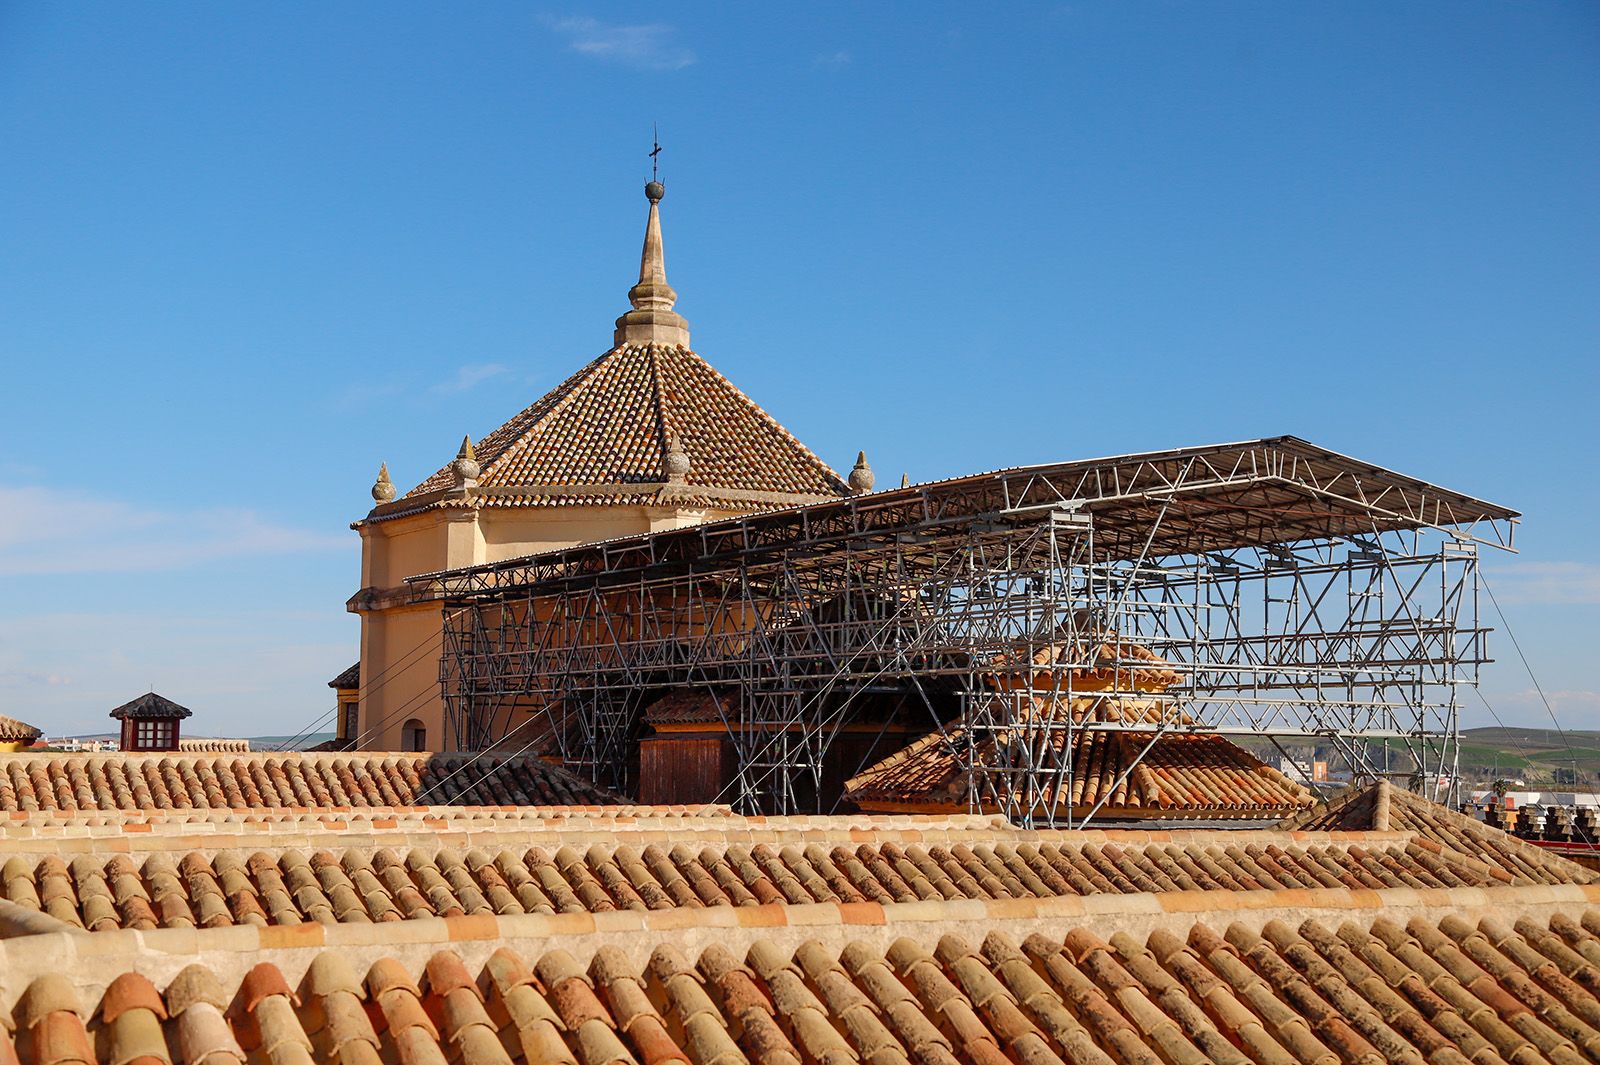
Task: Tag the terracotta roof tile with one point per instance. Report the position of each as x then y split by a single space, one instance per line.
197 781
1179 775
1449 989
14 731
725 865
151 706
693 707
609 424
1458 840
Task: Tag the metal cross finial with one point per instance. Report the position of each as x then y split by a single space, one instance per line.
655 149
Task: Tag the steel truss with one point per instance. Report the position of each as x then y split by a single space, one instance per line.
1291 598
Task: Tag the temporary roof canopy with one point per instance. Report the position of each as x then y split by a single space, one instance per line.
1191 500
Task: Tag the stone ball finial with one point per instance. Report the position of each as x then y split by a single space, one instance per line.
677 461
383 488
465 467
654 191
861 477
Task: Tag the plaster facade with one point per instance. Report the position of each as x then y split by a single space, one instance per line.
401 637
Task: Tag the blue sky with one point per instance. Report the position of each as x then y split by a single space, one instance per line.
252 250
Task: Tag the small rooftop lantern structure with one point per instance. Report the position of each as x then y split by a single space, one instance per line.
150 723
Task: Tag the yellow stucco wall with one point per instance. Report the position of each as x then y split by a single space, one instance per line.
401 644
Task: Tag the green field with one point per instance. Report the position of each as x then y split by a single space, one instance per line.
1532 754
1535 756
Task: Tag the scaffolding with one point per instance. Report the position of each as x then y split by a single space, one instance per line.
1293 594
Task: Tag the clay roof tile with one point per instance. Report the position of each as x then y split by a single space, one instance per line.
387 974
136 1036
59 1038
330 972
609 423
446 973
47 994
263 981
193 984
130 991
556 967
204 1037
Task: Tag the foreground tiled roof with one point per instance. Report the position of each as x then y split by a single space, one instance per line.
1180 775
12 730
350 677
610 424
288 886
1449 988
179 781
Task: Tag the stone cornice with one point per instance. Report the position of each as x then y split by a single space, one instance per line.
650 493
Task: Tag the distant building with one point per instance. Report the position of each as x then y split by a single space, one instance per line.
1314 772
1516 800
150 723
73 745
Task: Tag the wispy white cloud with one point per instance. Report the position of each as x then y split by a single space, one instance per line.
833 59
1546 583
644 46
471 376
51 531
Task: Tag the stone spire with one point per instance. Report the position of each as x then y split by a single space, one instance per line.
383 488
652 320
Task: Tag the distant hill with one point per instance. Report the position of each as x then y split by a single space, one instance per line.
299 743
1537 755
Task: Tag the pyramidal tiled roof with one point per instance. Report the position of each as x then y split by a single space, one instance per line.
647 422
151 705
610 426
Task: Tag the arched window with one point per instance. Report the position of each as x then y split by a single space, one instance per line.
413 736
